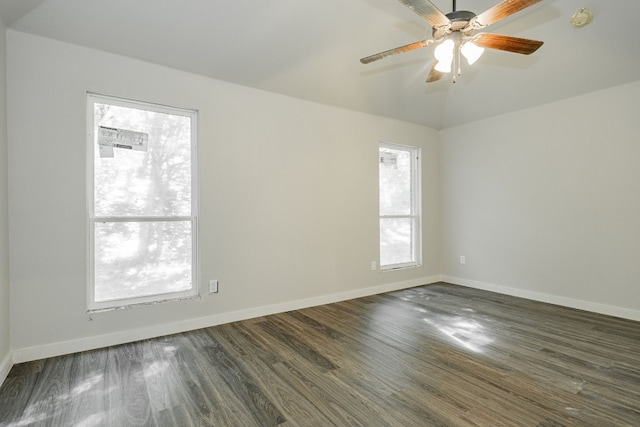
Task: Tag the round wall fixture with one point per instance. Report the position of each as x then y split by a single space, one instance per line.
581 18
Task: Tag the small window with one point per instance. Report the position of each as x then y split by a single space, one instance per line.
400 220
142 210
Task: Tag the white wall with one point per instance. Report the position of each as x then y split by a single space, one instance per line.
5 359
288 198
545 203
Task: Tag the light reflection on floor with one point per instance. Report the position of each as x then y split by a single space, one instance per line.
90 386
465 332
462 330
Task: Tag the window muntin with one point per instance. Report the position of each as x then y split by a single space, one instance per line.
399 194
142 203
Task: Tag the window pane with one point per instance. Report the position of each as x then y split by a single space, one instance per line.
136 259
154 181
396 245
395 182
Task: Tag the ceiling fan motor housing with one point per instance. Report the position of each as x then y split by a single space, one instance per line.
461 15
459 20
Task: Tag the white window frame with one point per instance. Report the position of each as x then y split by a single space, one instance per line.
92 219
415 206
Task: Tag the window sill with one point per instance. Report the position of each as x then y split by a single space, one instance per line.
399 267
142 304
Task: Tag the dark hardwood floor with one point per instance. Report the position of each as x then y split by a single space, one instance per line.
437 355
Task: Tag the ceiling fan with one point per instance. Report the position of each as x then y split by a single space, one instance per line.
454 34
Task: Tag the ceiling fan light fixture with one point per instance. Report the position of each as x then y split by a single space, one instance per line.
471 51
443 66
444 55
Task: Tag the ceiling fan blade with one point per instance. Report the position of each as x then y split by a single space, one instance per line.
508 43
401 49
502 10
434 75
427 11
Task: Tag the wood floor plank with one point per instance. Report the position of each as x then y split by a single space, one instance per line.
437 355
284 397
297 344
252 397
15 394
127 398
340 405
209 399
86 400
49 399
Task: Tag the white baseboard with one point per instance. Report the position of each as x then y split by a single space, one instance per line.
60 348
5 367
624 313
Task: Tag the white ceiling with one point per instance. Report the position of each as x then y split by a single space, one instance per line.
311 50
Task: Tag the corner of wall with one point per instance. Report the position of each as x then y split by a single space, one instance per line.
5 366
5 344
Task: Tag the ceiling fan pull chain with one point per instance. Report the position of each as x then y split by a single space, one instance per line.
458 62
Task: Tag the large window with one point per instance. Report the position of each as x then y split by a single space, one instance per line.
399 184
142 210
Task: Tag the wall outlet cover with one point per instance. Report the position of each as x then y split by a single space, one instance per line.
213 286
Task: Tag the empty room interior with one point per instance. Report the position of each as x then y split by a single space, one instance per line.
311 214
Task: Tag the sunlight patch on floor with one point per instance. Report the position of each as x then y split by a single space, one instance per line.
467 333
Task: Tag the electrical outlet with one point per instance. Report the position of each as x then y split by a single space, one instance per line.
463 259
374 266
213 286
